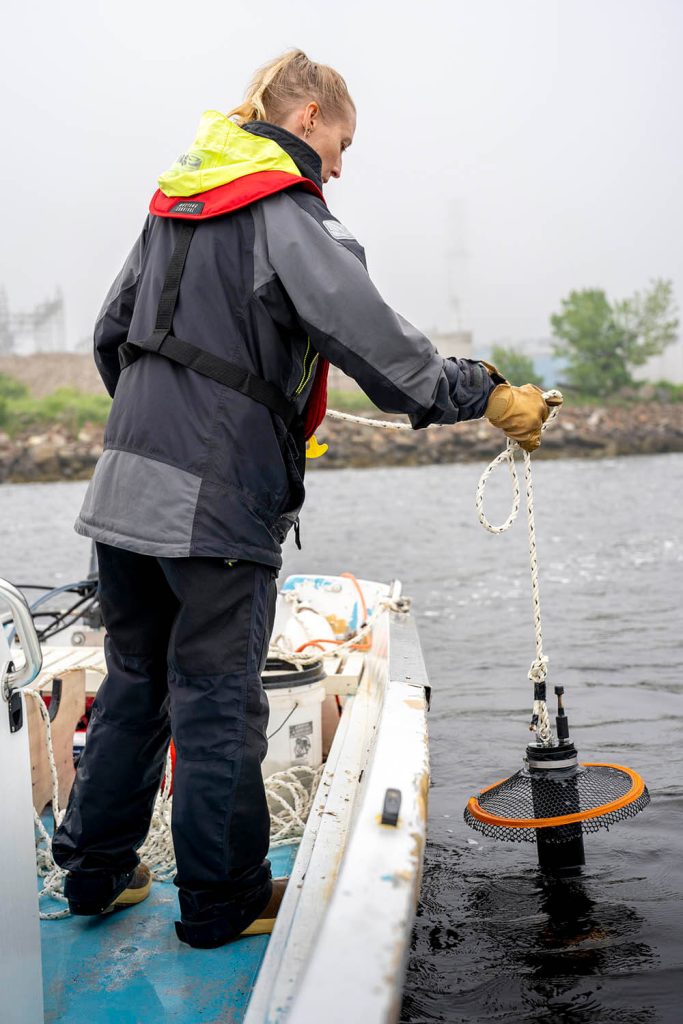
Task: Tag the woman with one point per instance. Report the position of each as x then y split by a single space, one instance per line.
214 342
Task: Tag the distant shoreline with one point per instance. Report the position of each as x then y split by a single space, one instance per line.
55 454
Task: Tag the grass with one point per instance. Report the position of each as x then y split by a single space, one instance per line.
72 409
66 407
349 401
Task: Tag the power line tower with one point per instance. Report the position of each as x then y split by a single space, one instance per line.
6 339
38 330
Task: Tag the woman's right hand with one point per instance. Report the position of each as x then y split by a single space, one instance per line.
520 412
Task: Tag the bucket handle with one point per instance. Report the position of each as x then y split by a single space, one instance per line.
284 723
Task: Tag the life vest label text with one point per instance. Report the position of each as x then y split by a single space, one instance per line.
189 207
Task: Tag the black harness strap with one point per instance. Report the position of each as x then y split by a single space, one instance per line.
168 299
163 343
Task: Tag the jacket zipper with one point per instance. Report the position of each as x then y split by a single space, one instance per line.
308 369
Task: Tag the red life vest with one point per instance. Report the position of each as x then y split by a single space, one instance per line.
234 196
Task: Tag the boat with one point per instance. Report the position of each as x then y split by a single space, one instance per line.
349 698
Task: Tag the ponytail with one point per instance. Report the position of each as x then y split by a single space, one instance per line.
277 88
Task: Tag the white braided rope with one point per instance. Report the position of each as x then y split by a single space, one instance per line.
337 650
540 718
289 794
539 667
366 421
157 850
52 875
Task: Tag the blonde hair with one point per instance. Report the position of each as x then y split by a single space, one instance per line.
280 85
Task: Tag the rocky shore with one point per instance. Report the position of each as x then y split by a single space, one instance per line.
581 432
578 432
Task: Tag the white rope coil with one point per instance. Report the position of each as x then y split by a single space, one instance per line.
289 794
539 667
157 850
52 875
540 718
300 659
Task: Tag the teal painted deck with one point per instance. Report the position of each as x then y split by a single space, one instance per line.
129 968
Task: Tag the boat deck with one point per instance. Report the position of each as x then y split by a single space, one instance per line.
129 968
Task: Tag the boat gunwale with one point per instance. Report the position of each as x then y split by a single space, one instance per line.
307 938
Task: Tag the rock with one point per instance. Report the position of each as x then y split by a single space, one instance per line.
43 453
587 432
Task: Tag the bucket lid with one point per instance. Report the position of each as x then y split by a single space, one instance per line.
281 675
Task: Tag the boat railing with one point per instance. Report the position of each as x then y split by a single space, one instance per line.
16 678
20 963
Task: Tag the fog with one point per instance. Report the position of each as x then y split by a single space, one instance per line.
507 151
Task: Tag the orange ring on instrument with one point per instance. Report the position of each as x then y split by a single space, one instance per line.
636 790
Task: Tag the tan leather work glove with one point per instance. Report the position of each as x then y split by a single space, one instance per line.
518 412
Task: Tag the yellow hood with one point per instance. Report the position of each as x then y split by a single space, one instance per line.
220 153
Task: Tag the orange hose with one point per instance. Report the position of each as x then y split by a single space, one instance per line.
365 646
359 591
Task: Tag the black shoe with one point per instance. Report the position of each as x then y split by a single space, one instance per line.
219 930
85 901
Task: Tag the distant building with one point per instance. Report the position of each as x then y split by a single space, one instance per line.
452 343
540 350
39 330
667 366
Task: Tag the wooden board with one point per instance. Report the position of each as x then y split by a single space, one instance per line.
71 708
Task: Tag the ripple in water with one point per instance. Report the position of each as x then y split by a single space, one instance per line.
495 941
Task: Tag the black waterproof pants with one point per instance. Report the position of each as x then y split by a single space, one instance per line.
186 642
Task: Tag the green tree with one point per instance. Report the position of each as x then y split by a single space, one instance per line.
514 366
602 342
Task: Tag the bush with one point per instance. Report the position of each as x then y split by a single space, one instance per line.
515 366
667 391
349 401
11 388
67 407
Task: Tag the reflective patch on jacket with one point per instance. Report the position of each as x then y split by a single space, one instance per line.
338 231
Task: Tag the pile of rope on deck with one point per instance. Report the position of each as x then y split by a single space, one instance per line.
290 795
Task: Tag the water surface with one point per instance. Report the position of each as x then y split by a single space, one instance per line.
494 941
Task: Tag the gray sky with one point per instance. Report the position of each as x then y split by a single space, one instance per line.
507 151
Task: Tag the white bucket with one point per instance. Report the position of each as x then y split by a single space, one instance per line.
295 723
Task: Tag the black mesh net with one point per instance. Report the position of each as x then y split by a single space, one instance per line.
552 795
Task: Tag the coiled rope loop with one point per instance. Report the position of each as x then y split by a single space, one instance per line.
53 876
540 719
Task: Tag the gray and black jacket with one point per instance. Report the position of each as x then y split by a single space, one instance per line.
193 468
